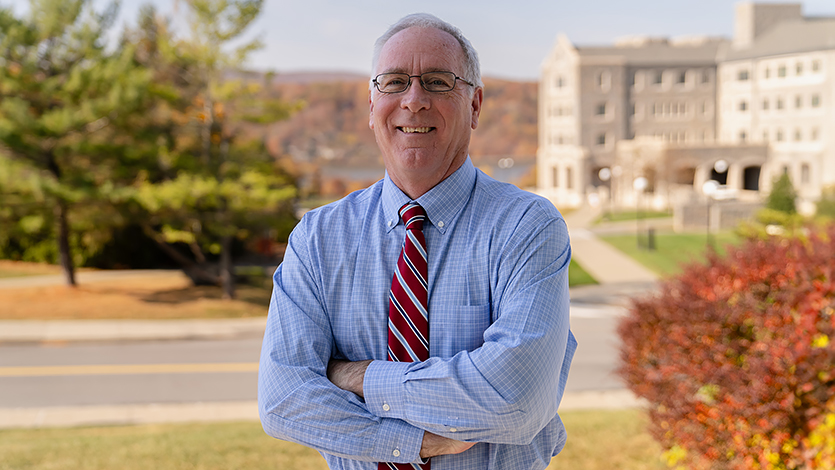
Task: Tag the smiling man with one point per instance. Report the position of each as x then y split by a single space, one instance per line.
422 322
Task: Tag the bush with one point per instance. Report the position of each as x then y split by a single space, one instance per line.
826 204
736 357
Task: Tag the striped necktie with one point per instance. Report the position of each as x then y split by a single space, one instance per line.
408 335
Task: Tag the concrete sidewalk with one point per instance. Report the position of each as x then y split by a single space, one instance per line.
604 262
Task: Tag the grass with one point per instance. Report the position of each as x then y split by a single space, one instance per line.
673 250
215 446
577 276
621 216
163 296
20 269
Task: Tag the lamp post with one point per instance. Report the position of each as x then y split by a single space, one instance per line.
709 188
605 175
639 184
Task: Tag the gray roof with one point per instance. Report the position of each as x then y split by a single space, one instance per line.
659 53
790 37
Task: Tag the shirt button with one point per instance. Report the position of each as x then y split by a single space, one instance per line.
396 453
453 429
440 223
389 223
386 407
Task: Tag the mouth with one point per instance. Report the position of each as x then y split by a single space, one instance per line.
415 130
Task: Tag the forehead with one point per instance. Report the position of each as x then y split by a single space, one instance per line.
419 49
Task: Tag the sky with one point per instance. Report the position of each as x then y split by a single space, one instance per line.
511 36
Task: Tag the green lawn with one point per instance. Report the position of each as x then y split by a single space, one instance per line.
577 276
672 249
243 445
620 216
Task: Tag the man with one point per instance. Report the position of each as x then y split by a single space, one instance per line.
423 320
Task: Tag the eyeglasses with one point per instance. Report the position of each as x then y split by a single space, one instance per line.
434 82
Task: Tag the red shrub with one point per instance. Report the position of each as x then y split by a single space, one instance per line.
737 358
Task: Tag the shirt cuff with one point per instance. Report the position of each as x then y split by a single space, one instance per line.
383 389
398 441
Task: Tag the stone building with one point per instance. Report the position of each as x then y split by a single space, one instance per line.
760 105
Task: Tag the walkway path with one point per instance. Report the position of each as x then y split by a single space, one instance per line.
604 262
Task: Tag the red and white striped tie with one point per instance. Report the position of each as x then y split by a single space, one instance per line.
408 338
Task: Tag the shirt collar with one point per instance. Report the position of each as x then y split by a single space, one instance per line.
442 203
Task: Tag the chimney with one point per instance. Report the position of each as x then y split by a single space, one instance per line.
754 19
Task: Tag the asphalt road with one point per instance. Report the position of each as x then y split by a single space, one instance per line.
35 375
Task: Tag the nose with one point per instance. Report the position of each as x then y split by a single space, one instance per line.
415 97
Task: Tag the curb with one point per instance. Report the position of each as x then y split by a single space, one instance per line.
203 412
128 330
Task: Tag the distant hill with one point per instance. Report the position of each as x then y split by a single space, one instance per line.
330 131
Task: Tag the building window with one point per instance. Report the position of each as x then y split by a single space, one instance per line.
781 71
798 101
742 75
814 134
816 65
816 100
682 77
779 136
799 68
705 76
767 72
743 106
765 135
658 78
804 173
600 110
798 136
601 139
765 104
604 80
560 81
743 136
779 103
555 177
569 178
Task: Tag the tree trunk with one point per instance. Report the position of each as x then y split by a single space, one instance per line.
198 273
227 275
64 255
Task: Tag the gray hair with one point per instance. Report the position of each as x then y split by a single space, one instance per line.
472 68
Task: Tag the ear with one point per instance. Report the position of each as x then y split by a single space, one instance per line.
370 111
478 97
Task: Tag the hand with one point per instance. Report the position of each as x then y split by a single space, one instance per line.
348 375
434 444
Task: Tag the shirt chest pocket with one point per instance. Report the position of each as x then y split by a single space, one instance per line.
457 328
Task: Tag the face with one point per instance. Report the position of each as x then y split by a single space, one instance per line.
423 136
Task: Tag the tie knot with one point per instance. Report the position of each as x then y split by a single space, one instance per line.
412 216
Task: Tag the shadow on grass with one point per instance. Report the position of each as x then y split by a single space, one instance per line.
259 296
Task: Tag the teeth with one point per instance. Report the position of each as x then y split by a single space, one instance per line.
419 130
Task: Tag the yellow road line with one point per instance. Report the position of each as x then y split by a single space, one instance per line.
128 369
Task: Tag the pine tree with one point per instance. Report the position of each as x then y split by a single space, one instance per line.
782 196
61 95
220 183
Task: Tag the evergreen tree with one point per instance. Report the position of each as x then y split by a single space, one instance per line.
61 95
782 196
217 180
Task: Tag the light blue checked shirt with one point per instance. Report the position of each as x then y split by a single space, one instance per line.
499 338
